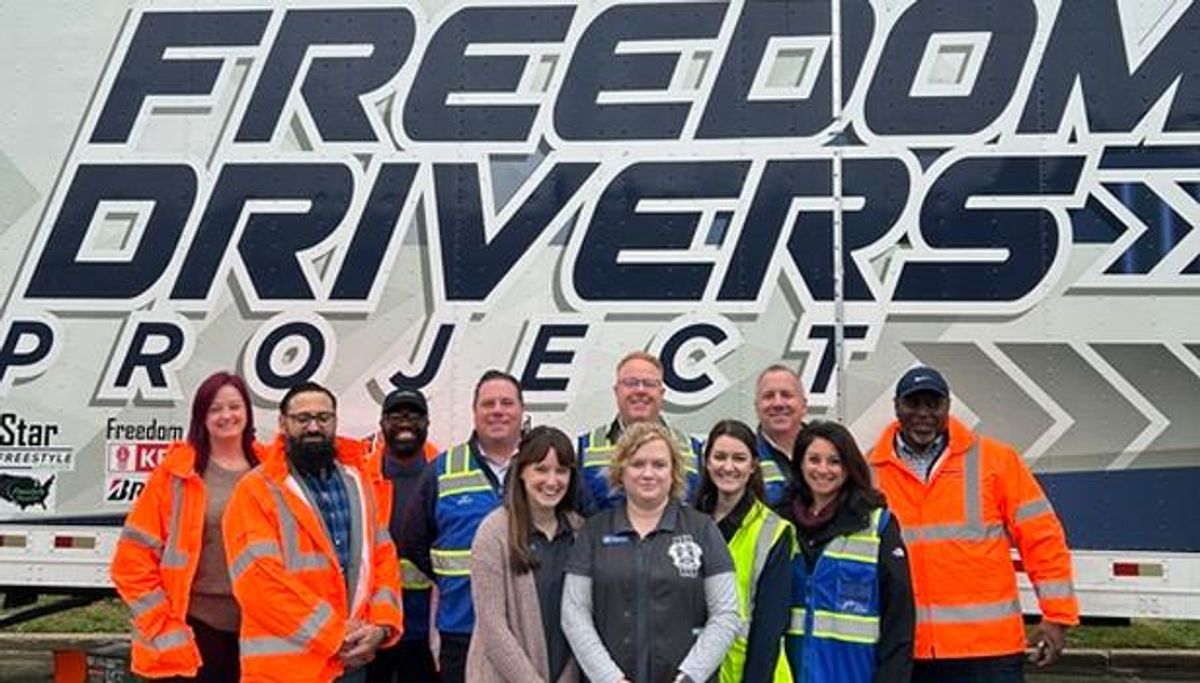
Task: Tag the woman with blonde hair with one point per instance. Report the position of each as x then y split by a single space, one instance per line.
650 594
517 561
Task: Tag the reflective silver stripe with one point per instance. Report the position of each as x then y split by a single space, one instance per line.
1054 589
173 557
597 457
847 627
455 484
762 548
972 527
413 576
147 602
854 548
796 627
141 538
297 642
1031 509
289 531
251 553
451 562
859 547
382 536
961 614
599 450
165 641
771 472
952 532
386 595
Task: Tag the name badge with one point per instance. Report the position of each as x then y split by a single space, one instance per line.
614 539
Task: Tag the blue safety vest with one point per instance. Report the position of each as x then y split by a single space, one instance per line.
595 456
835 610
775 482
465 496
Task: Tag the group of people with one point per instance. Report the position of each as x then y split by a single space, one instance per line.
631 554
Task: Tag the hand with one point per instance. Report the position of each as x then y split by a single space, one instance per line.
361 641
1048 641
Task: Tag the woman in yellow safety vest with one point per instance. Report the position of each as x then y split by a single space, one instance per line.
761 544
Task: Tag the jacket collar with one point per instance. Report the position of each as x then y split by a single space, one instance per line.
961 438
180 459
349 452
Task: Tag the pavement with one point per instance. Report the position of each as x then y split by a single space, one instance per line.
1119 664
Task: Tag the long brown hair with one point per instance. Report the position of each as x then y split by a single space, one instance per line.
535 446
706 498
857 491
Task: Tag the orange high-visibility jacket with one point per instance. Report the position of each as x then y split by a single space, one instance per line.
957 527
411 577
155 563
296 603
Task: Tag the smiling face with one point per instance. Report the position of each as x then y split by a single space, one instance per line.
730 465
546 482
405 429
639 391
822 470
780 404
226 416
498 413
923 416
647 475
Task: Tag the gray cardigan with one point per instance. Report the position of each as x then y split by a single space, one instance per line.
509 642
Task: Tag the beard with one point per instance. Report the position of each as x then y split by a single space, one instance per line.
310 455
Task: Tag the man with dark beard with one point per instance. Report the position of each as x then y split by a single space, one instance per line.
313 567
400 453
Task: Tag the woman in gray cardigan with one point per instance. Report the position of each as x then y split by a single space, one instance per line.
517 562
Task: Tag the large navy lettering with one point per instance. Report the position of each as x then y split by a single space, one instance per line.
146 71
332 86
598 67
447 69
61 272
733 113
1086 48
891 107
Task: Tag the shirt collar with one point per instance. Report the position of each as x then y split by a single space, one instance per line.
668 522
907 452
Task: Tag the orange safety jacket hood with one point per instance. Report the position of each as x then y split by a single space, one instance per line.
957 527
297 606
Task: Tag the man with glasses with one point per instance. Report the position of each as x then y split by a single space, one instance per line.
961 498
639 392
400 454
461 487
313 568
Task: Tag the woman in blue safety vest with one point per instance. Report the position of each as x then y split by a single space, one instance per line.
852 615
761 543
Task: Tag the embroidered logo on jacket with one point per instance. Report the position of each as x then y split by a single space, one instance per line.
685 554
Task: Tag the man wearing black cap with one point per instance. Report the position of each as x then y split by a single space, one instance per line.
960 498
401 454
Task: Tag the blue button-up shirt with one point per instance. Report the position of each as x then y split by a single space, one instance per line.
334 503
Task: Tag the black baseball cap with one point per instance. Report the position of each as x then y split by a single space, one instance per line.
408 398
922 378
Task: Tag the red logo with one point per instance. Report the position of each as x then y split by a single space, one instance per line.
140 456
